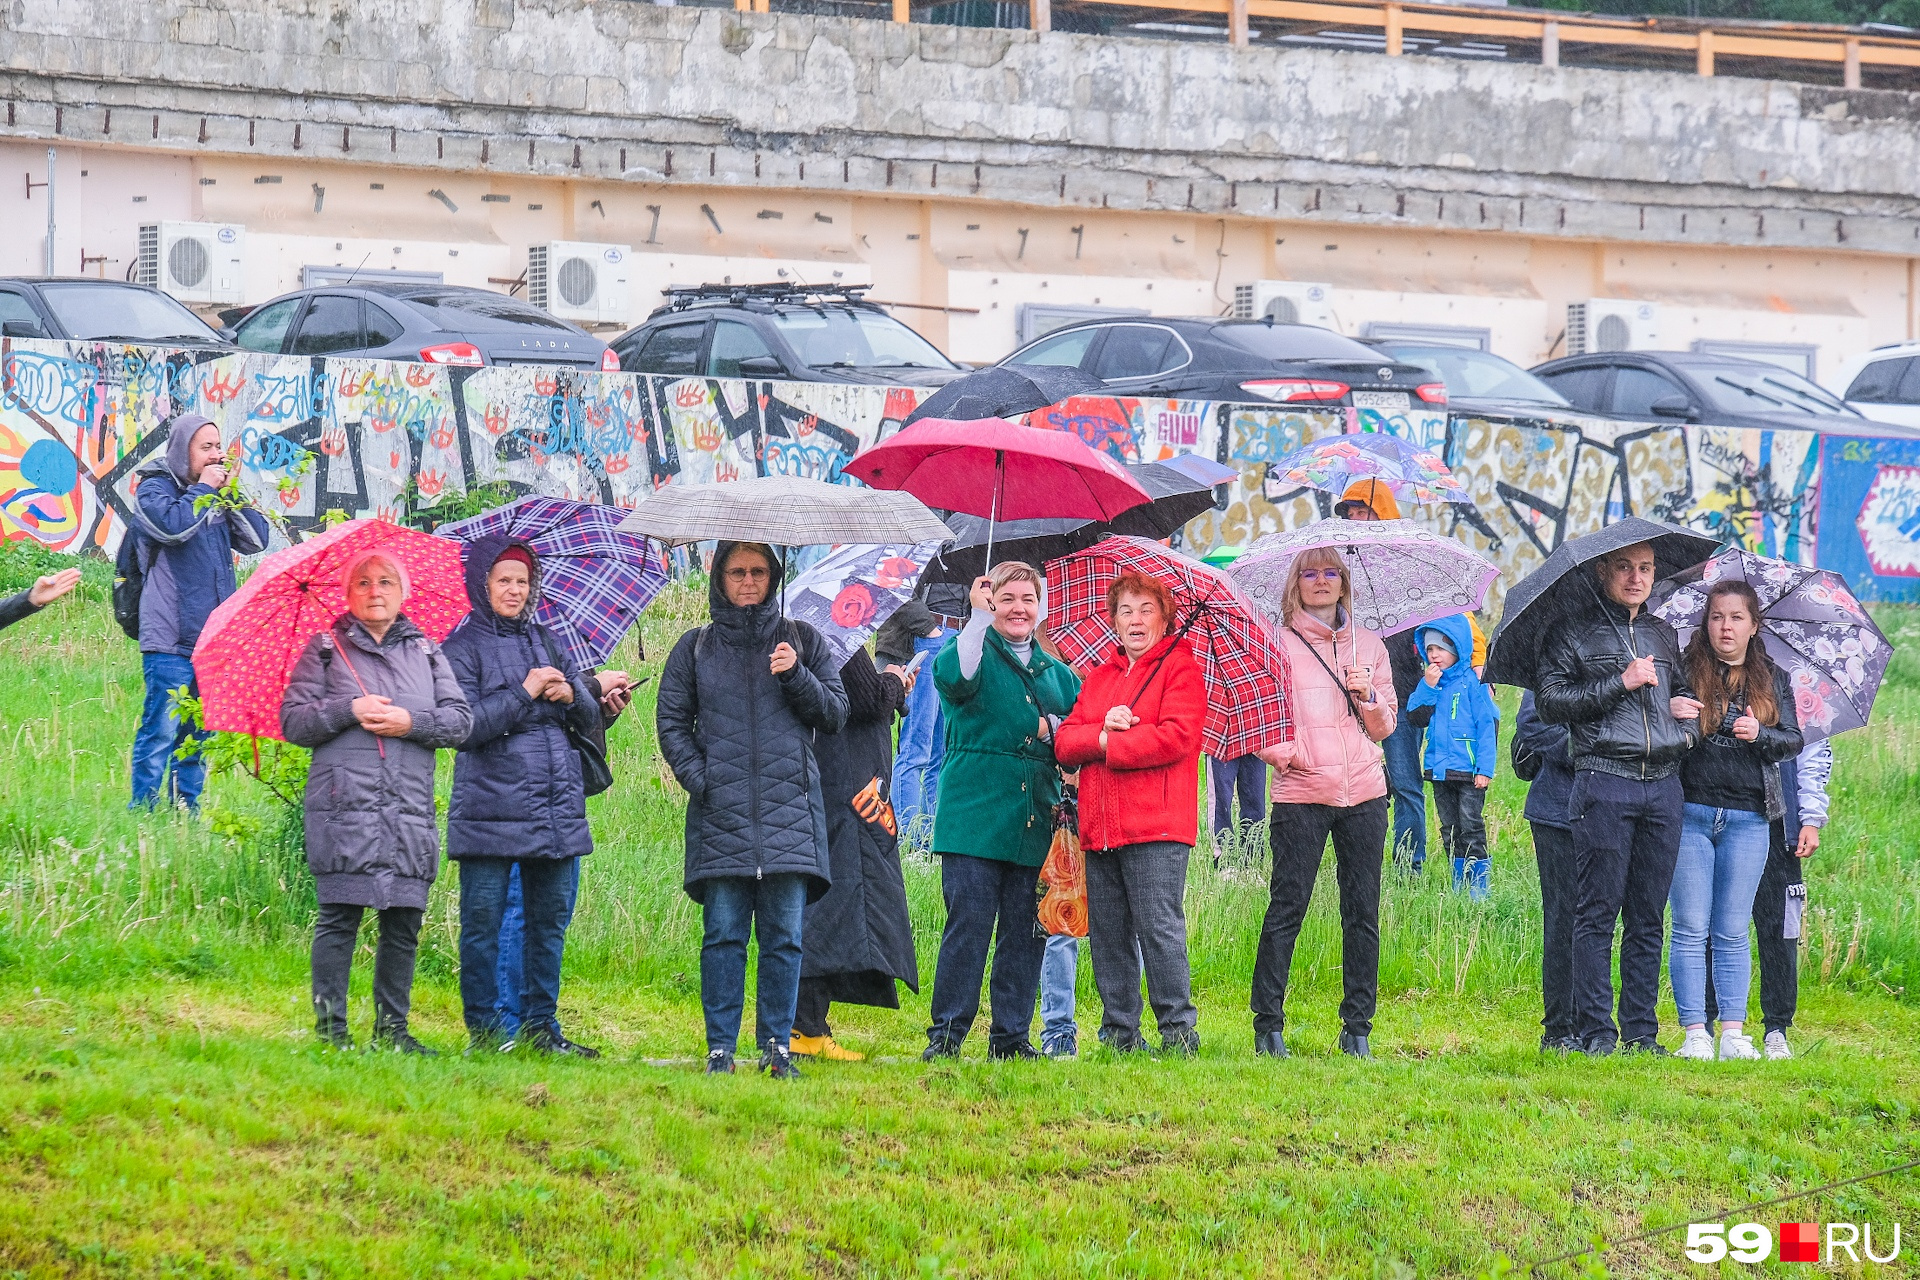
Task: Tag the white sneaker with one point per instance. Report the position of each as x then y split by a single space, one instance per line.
1737 1046
1777 1049
1697 1046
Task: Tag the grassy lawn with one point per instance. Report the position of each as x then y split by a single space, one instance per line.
164 1110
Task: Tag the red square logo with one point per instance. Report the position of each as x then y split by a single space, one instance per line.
1799 1242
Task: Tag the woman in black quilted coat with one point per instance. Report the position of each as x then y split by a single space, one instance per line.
740 703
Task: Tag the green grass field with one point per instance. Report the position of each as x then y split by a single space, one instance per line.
164 1110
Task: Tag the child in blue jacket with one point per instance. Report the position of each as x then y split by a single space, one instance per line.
1462 724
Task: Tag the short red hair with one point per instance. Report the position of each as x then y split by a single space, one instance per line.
1133 583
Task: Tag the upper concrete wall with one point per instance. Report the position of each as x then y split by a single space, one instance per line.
615 89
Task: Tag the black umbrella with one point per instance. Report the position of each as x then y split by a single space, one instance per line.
1006 391
1176 499
1560 591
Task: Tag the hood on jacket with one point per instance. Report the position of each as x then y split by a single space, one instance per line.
1372 493
174 461
750 624
1459 634
480 555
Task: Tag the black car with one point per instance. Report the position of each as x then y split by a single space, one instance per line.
812 333
1206 359
1477 381
1698 386
435 323
85 309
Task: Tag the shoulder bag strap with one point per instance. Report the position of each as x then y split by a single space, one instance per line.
1337 681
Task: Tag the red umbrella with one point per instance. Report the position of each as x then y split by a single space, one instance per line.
250 644
995 468
1249 688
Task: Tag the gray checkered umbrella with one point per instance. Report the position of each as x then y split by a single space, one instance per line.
784 511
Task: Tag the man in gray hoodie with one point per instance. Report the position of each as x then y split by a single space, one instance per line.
187 560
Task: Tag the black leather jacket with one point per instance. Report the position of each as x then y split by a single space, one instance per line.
1631 733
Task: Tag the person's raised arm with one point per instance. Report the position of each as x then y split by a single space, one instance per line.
168 506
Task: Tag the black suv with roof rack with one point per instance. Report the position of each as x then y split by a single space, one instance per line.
806 333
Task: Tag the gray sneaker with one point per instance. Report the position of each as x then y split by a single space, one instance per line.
1775 1047
1062 1046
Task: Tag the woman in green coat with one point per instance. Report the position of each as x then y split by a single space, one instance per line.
1003 697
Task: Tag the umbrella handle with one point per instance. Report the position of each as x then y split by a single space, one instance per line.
993 506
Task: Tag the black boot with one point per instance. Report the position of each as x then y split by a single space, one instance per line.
1354 1046
938 1049
719 1063
1016 1051
400 1040
548 1039
330 1024
1270 1044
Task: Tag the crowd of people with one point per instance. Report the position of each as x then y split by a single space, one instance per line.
1660 777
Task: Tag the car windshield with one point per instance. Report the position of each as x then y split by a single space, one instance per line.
1471 374
1745 388
843 338
90 312
1293 342
481 312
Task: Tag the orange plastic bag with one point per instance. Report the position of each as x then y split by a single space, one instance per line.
1063 907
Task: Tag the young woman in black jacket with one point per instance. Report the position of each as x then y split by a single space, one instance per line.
1733 790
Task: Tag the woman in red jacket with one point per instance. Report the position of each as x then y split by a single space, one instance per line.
1135 736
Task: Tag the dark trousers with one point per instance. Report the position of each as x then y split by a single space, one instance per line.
1559 893
1245 776
982 893
336 931
1779 954
547 904
772 908
1407 784
1300 833
1626 839
810 1010
1463 822
1139 891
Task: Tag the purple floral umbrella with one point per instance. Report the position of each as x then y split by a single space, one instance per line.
1811 624
1403 575
1332 463
850 591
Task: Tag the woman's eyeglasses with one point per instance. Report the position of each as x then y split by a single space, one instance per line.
1319 575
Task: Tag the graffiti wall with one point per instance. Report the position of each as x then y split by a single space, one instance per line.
369 437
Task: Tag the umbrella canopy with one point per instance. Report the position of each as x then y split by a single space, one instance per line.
594 579
852 590
999 470
1006 391
1811 624
1177 498
1333 463
247 651
1403 575
783 511
1249 690
1552 595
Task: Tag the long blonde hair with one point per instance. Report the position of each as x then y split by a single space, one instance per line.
1314 558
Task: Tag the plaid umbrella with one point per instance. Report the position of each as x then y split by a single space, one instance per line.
1249 688
847 595
783 511
1811 625
1332 463
1403 575
594 579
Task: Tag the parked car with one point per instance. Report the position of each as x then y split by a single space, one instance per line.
1477 381
1209 359
813 333
1884 384
435 323
1691 386
86 309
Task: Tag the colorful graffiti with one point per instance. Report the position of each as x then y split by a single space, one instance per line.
370 437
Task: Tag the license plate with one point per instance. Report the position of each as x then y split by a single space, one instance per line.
1396 401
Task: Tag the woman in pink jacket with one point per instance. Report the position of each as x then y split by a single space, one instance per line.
1329 781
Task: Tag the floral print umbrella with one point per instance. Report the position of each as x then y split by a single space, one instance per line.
1403 575
1332 463
851 590
1834 654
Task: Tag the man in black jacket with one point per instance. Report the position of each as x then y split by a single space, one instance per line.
1614 677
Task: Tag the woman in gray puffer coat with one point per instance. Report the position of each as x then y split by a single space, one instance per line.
740 703
374 698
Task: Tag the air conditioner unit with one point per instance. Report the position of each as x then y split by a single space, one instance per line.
1612 324
194 261
581 282
1287 301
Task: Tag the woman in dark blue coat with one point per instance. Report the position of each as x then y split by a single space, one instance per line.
517 791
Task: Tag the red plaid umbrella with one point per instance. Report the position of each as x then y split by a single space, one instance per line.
1244 668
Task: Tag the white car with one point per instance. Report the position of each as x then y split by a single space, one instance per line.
1884 384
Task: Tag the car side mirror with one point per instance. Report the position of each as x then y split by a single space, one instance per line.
1672 407
21 329
762 367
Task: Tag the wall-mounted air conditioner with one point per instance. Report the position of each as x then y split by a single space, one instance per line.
1612 324
1287 301
586 283
194 261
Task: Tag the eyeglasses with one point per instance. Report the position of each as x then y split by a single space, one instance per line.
380 584
1320 575
747 575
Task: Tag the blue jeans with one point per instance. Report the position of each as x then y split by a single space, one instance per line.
923 745
1245 776
1722 854
772 908
1059 967
512 931
980 893
161 734
483 903
1402 749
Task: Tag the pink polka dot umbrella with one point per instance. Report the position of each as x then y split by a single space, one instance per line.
247 651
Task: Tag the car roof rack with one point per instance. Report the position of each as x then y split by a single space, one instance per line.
680 297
